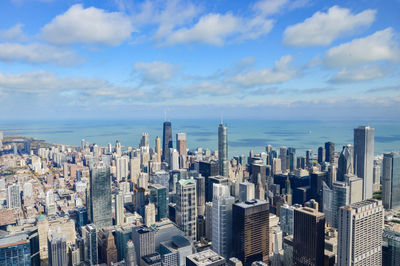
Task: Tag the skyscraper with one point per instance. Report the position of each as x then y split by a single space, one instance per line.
89 235
109 250
391 181
13 197
200 194
186 207
309 237
250 231
144 141
143 239
329 152
119 208
15 249
321 155
223 150
158 196
181 145
345 164
360 233
57 248
222 220
158 149
130 254
100 196
364 157
122 167
246 191
167 141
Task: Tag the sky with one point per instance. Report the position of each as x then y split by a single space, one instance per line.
266 59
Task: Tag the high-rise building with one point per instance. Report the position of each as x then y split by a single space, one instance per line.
214 180
109 249
174 251
144 141
308 237
149 214
181 145
208 169
329 152
391 245
360 233
100 196
321 155
200 194
246 191
13 197
167 141
222 220
186 207
122 167
391 181
309 158
223 150
89 235
364 157
158 149
208 218
158 196
119 208
283 157
250 231
287 218
143 239
130 254
345 164
173 159
15 250
57 248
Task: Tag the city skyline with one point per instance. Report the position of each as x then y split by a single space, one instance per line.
155 57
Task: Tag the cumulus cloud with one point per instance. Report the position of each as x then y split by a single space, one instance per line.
14 33
323 28
42 81
269 7
280 72
157 71
88 25
36 53
378 46
365 72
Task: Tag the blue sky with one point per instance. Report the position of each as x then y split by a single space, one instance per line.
267 59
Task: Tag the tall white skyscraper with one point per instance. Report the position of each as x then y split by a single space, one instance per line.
174 159
223 150
222 220
150 214
119 208
186 208
364 158
122 167
360 233
13 197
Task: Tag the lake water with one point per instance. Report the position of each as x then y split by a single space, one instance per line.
243 135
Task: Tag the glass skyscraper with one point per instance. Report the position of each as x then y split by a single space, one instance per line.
223 150
100 196
391 180
15 250
158 196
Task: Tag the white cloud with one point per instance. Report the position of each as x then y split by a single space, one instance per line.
269 7
42 81
90 25
282 71
14 33
366 72
378 46
323 28
36 53
210 29
157 71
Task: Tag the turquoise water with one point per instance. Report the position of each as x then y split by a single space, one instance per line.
243 135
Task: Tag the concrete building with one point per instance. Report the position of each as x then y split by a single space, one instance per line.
246 191
186 207
15 249
360 233
205 258
143 239
287 218
174 252
89 235
57 247
119 208
13 197
122 167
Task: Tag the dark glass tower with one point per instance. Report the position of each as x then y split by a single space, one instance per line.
391 180
167 141
250 230
329 152
345 164
309 237
158 196
100 196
